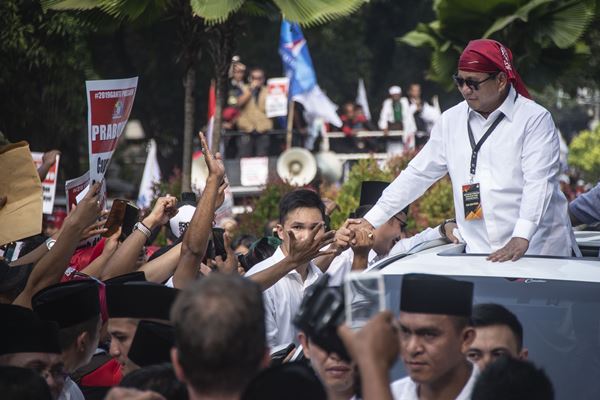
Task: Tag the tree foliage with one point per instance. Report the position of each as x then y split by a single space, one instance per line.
584 154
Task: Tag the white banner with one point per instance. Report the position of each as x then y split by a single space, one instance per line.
254 171
276 104
49 183
109 106
150 177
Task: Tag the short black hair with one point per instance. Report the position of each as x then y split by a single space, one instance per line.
67 336
300 198
489 314
23 384
509 378
159 378
220 333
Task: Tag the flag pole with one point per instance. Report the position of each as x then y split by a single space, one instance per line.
290 124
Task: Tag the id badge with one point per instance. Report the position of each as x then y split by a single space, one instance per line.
472 202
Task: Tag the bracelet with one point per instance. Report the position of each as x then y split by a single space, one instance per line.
143 228
50 242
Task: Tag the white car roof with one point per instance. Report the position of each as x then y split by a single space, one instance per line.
455 263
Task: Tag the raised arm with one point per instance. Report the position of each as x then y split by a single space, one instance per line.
48 160
199 230
125 258
52 266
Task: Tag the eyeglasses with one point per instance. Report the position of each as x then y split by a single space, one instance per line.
403 224
473 85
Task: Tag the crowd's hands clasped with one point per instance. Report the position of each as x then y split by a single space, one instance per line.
356 233
513 250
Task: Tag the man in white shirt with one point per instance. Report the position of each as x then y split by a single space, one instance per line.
501 150
395 115
300 213
387 240
434 334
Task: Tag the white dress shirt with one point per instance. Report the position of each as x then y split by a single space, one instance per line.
70 391
517 170
387 115
407 389
342 264
282 300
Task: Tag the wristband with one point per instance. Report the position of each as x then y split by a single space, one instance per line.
50 242
443 227
142 228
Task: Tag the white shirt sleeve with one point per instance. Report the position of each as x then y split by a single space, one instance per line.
408 118
405 245
540 165
270 320
428 166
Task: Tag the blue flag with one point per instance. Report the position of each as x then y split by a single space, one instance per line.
299 69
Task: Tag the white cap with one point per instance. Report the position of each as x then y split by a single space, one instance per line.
180 222
394 90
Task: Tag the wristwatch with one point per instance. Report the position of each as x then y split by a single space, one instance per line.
443 226
142 228
50 242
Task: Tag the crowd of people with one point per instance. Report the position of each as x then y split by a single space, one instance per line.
251 131
213 316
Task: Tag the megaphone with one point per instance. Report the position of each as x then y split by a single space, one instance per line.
199 172
330 166
297 166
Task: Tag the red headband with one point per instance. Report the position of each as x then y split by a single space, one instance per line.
489 56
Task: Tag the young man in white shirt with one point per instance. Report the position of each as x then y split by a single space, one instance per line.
301 214
501 150
434 335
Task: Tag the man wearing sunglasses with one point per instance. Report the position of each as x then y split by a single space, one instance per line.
501 150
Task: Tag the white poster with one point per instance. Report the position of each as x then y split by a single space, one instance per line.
277 97
254 171
49 183
109 106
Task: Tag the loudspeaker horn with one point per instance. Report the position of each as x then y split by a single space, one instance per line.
297 166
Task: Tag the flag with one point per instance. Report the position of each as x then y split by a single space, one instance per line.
361 98
149 178
212 106
299 69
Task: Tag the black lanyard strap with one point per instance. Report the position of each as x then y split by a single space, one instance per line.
476 146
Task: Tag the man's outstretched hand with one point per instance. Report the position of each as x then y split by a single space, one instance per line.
514 249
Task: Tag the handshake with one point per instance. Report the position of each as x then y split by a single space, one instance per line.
357 234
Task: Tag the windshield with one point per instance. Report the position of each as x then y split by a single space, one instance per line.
561 324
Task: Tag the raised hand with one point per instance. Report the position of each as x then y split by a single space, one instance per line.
221 193
303 251
88 210
229 266
343 238
358 224
214 163
49 157
164 209
363 241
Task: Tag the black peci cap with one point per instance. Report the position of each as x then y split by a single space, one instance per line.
370 192
141 300
13 313
68 303
434 294
151 344
30 335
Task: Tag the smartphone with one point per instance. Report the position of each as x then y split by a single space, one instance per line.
115 217
132 216
219 243
364 295
280 354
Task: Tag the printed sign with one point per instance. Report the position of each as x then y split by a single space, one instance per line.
276 104
254 171
109 106
75 191
49 183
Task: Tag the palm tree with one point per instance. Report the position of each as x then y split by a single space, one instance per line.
215 21
544 35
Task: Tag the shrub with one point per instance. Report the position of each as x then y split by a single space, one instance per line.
584 154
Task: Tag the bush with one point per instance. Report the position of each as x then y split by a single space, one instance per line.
584 154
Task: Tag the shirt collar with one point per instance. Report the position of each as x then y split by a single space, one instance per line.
507 107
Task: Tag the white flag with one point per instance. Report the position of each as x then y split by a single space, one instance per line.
149 178
361 98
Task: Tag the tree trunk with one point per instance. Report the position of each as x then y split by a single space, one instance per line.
189 104
221 43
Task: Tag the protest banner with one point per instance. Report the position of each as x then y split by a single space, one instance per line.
254 171
109 106
49 183
276 104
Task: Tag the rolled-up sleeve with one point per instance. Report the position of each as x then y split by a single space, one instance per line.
540 165
423 171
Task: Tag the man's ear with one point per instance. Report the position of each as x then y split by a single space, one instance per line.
502 80
524 354
81 341
177 366
468 336
305 345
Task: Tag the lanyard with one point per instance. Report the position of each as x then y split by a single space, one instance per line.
476 146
